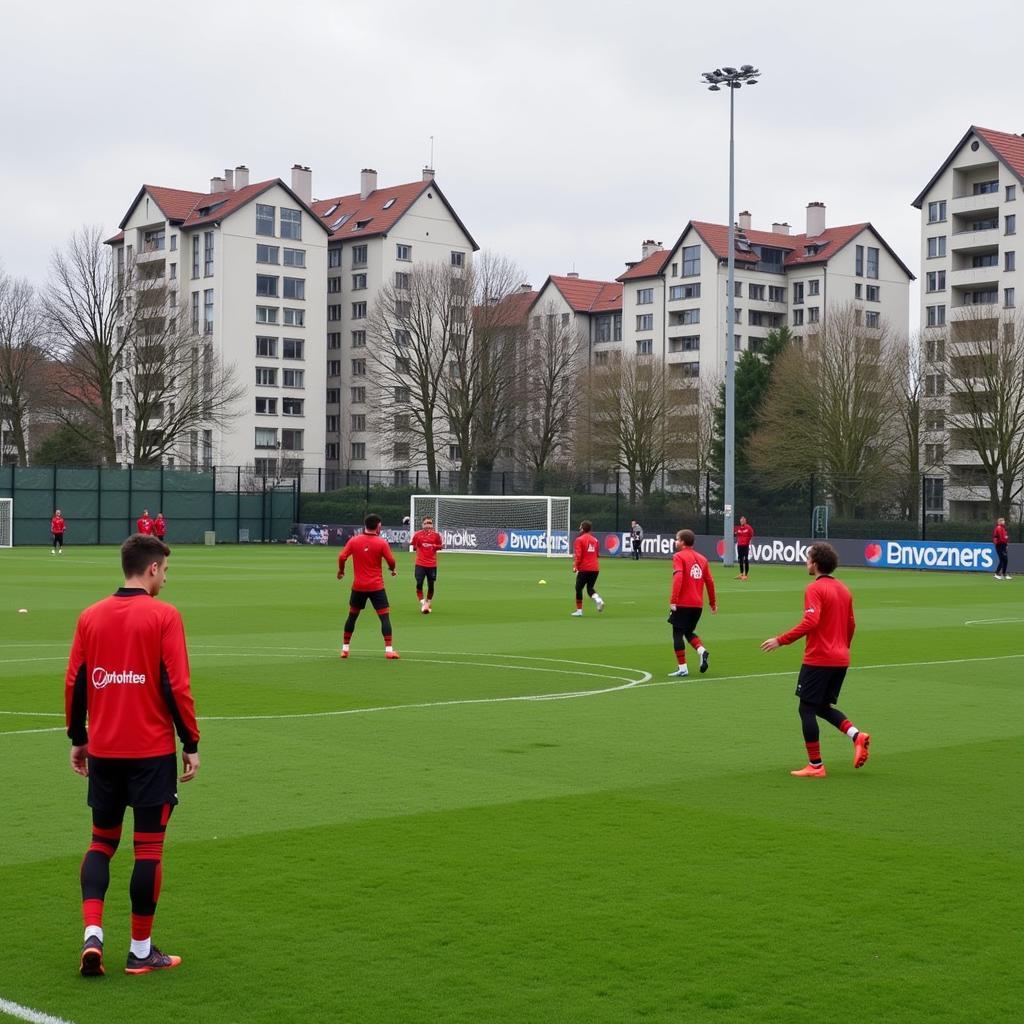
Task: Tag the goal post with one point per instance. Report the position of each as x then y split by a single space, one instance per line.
6 522
506 524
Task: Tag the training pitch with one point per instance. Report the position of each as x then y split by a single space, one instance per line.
524 819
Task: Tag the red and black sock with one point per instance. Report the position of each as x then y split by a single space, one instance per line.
147 875
95 872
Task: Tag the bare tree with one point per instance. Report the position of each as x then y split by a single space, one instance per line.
22 360
984 371
904 366
829 411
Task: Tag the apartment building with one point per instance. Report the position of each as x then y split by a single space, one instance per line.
674 300
377 237
969 273
246 265
591 310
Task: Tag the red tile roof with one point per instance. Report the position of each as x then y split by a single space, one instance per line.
1007 146
175 203
586 296
828 243
115 239
511 311
652 266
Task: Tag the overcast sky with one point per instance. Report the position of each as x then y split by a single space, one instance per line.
566 132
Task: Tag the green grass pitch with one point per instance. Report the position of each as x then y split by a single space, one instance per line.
374 841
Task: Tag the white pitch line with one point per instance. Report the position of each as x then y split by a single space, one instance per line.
27 1013
990 622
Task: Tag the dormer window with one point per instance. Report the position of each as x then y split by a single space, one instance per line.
389 204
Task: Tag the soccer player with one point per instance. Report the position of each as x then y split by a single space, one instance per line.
584 563
691 576
367 551
57 529
426 543
128 682
160 526
636 537
828 624
1001 538
144 524
744 534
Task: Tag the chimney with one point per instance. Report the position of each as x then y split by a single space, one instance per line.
216 185
367 182
649 247
302 182
241 176
572 273
526 287
745 220
815 219
780 229
229 179
428 173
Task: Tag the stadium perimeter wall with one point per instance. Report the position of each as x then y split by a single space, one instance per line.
942 556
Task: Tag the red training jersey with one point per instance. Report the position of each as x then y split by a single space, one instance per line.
367 551
144 524
128 677
744 535
999 535
690 575
159 527
828 624
57 524
426 544
585 553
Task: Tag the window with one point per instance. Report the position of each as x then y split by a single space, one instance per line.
266 376
292 440
403 421
207 254
858 291
798 292
737 289
936 246
645 322
858 262
333 285
1009 260
401 394
798 318
644 296
334 312
813 286
291 224
601 358
403 252
756 344
934 385
266 253
358 255
454 452
208 311
872 263
402 280
359 339
873 293
935 350
813 313
333 339
756 318
684 291
292 406
603 329
266 314
936 316
295 257
858 317
195 312
690 316
934 419
872 318
1009 298
984 188
404 366
333 396
933 454
685 370
684 343
266 406
174 243
755 292
359 282
293 348
334 368
262 467
333 422
266 286
935 281
265 220
776 293
691 260
401 450
118 417
295 288
937 211
358 449
331 452
1011 195
195 256
644 347
1010 221
266 347
358 367
402 338
358 395
358 421
294 317
174 271
266 437
565 319
458 258
675 269
358 310
334 257
293 378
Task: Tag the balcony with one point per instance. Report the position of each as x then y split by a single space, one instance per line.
973 205
969 240
975 278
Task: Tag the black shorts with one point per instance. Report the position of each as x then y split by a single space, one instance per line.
119 782
378 598
820 684
425 572
58 537
685 619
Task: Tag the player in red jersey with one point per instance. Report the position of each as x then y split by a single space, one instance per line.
128 681
144 524
1000 538
426 543
367 551
160 526
585 554
828 624
744 534
691 575
57 529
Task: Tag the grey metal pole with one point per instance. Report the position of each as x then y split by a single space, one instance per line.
730 352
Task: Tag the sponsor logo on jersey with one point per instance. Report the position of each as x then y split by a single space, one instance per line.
696 572
102 678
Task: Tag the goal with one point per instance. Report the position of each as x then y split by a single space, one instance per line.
509 524
6 522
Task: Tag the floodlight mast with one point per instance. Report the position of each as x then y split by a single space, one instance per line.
732 79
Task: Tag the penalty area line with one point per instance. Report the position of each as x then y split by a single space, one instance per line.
12 1009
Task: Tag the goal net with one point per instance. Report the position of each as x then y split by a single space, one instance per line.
6 522
510 524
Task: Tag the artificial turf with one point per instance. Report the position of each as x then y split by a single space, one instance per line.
374 841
